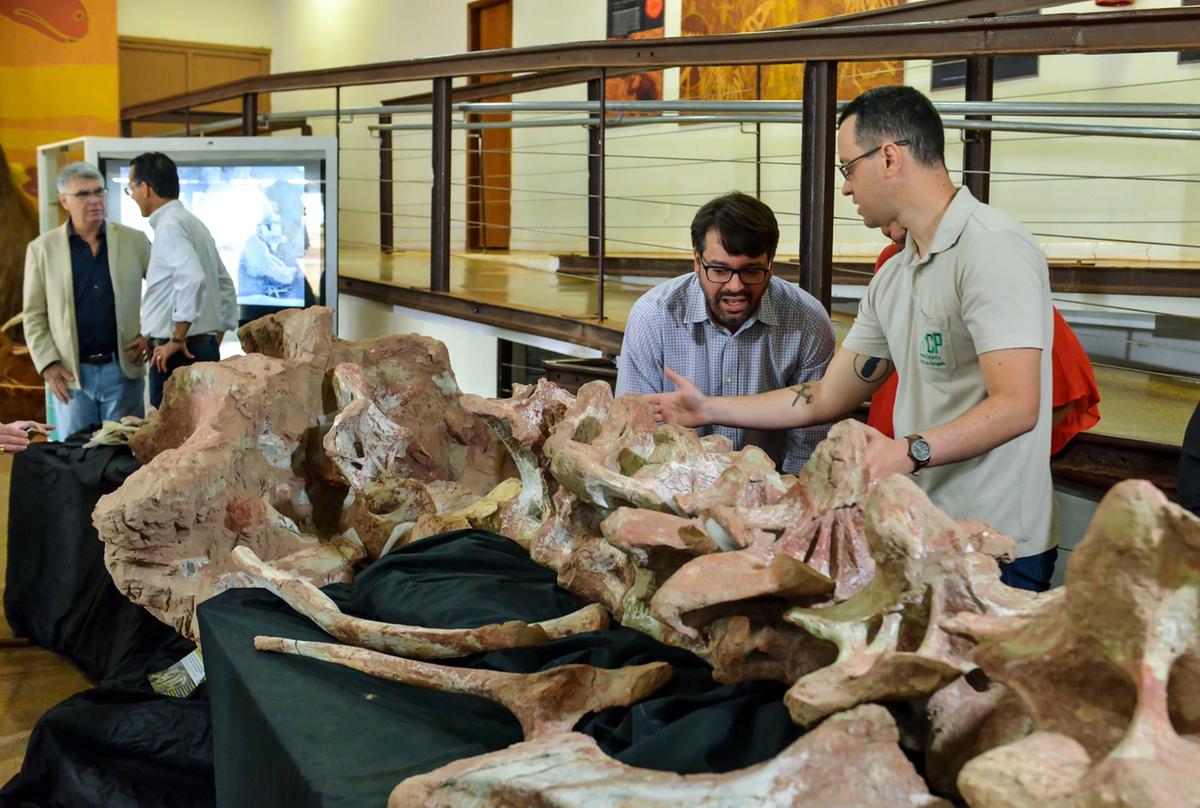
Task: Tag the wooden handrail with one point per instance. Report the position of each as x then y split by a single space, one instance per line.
1105 32
917 12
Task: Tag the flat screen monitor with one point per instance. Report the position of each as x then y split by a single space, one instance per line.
266 200
268 222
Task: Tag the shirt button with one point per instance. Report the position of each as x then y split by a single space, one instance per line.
729 381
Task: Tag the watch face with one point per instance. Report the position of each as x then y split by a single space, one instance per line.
920 451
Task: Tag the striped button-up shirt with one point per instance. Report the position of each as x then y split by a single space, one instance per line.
788 340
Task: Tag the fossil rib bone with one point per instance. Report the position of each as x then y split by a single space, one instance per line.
411 641
546 703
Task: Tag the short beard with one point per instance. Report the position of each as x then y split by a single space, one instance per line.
730 321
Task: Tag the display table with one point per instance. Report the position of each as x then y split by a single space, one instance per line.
299 732
119 745
57 590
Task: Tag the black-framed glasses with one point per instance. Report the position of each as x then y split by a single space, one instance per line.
95 193
845 167
750 276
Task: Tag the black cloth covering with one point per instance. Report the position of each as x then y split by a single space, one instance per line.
118 748
298 732
57 591
119 744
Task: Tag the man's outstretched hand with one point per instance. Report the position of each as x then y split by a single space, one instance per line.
686 406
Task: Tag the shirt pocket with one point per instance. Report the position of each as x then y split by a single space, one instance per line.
935 348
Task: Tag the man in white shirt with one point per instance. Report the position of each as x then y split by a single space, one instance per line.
190 300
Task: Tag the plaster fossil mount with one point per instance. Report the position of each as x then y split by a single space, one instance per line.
288 467
273 451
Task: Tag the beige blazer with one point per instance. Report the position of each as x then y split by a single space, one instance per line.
49 322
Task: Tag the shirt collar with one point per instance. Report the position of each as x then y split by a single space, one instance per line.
949 229
696 307
768 309
103 234
158 214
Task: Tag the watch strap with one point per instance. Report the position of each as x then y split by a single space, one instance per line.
919 462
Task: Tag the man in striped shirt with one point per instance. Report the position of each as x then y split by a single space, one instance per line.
731 326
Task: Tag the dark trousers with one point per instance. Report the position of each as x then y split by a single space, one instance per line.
203 347
1032 572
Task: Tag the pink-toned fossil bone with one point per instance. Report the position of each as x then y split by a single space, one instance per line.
366 446
523 423
410 641
818 519
233 457
609 453
657 541
481 513
642 517
727 578
326 450
851 760
890 643
169 528
545 703
1111 681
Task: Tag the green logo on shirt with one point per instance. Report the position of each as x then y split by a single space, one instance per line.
931 350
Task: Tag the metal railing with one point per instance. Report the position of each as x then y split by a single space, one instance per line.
887 33
918 31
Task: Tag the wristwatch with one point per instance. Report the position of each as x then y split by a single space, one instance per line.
179 340
918 451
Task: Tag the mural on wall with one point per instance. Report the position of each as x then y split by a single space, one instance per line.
774 82
61 20
635 19
58 77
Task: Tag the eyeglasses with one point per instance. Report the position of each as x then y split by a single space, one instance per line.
97 193
129 188
750 276
845 167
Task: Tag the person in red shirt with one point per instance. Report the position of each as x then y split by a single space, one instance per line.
1076 399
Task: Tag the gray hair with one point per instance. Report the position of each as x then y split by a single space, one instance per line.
77 171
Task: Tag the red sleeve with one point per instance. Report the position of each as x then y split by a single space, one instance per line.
1074 386
883 401
891 249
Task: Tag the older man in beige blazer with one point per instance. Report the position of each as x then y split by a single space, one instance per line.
83 286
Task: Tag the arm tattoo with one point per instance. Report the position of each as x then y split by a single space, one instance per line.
803 391
871 368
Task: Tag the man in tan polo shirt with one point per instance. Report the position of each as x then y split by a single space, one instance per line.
963 314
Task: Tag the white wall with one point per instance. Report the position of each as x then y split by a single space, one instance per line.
549 209
549 165
313 34
245 23
473 355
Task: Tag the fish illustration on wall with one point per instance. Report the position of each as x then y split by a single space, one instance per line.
61 20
